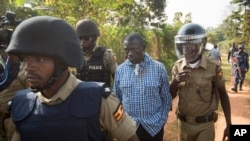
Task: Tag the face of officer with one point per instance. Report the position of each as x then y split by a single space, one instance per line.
134 51
38 70
87 43
190 50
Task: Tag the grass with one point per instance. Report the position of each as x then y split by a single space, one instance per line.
226 67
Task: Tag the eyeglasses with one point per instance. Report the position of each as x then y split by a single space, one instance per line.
85 38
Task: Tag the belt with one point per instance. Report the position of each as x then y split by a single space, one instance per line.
198 119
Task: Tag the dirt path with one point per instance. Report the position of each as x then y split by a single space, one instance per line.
240 113
240 105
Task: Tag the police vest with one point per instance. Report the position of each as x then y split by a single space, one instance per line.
75 119
94 69
242 60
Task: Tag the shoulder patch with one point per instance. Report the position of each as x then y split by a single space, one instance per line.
119 112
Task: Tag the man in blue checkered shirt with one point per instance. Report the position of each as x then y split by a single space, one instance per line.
141 84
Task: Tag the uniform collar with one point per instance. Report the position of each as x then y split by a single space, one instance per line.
202 63
62 93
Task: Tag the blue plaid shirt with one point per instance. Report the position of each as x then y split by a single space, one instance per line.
144 93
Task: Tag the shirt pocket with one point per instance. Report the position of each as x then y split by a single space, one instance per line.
204 90
152 92
126 88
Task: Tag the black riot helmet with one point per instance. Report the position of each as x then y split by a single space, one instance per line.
47 36
87 27
190 42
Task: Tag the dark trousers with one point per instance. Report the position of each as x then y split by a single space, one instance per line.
145 136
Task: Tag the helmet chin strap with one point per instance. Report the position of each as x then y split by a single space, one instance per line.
91 46
195 60
59 69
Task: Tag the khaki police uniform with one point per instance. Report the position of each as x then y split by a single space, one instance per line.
109 59
6 124
198 100
113 118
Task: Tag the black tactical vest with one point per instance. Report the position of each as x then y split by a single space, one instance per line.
75 119
94 69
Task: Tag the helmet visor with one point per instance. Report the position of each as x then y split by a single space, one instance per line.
191 49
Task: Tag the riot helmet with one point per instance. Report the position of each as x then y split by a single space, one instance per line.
87 27
190 42
49 37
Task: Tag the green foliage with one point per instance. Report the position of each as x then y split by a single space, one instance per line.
18 2
115 19
112 37
168 62
215 36
180 20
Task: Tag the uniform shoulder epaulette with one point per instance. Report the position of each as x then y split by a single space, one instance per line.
218 69
109 50
214 61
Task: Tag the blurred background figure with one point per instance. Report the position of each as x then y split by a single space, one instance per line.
215 53
231 51
241 67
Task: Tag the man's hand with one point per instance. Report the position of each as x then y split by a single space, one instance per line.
180 77
226 134
183 76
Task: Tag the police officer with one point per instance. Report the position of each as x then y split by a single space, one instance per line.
15 81
57 106
241 67
11 80
196 79
100 63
